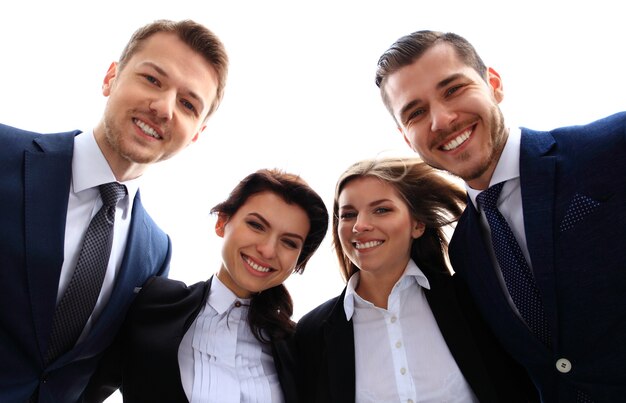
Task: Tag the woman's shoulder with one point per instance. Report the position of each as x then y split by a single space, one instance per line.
165 290
321 314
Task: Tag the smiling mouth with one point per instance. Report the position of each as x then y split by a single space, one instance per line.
147 129
366 245
257 267
458 140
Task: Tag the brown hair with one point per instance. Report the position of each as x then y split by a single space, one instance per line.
197 37
430 197
271 310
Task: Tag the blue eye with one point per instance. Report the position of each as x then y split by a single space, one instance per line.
188 105
152 79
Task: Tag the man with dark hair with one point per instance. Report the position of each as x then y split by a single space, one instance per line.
542 241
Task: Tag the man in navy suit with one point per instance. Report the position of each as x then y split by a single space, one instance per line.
563 197
168 81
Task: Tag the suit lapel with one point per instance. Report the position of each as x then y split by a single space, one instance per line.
138 261
537 176
47 177
339 339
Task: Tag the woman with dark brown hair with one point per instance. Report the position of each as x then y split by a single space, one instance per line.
225 339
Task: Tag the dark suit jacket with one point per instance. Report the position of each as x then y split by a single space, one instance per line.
144 359
573 183
35 175
324 345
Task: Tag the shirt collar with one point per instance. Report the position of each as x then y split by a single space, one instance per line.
412 274
508 165
221 298
91 169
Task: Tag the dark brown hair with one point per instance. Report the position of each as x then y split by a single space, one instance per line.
197 37
430 197
271 309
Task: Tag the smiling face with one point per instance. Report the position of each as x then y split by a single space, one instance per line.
262 243
375 228
449 114
156 104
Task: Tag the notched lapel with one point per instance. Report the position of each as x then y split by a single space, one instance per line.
47 177
537 177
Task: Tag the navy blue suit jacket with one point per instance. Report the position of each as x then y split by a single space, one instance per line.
573 183
35 175
324 344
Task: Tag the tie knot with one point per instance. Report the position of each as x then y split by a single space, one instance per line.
111 193
489 198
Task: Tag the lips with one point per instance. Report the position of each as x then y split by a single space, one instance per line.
365 245
257 267
148 130
459 140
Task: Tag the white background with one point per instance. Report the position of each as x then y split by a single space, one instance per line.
301 93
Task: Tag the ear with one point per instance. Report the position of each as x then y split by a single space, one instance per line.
495 82
418 229
109 78
222 219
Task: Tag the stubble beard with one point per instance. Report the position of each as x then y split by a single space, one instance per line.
497 138
119 144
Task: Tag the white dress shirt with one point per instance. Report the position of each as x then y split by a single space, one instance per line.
400 353
509 202
219 358
89 170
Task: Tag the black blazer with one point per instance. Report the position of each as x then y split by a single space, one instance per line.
144 361
324 343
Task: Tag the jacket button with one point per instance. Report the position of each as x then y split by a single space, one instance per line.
563 365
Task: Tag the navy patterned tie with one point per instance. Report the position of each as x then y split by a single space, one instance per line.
515 270
77 303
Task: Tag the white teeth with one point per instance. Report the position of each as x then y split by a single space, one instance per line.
366 245
257 267
147 129
457 141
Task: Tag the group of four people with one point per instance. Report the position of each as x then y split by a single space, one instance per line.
404 329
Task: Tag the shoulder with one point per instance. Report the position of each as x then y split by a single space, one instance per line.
159 290
609 129
19 139
321 313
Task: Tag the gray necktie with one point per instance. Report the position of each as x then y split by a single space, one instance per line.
81 295
515 270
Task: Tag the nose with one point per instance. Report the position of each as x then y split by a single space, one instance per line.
267 248
163 106
361 225
443 117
